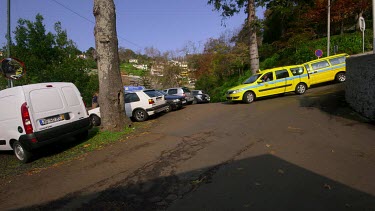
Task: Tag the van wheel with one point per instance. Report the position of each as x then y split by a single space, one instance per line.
140 115
95 120
248 97
21 153
301 88
340 77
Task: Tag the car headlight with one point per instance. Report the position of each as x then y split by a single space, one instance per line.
234 91
176 100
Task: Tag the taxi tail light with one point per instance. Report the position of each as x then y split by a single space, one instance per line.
151 101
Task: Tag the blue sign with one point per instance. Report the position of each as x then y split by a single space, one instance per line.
318 53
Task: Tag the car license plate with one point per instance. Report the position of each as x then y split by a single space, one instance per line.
184 101
52 119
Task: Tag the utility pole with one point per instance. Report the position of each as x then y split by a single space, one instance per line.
10 81
329 27
373 26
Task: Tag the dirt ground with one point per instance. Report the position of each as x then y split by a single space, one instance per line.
309 152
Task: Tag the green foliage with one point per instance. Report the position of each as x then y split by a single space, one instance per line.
52 57
129 69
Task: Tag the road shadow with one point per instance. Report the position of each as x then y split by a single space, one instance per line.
330 98
265 182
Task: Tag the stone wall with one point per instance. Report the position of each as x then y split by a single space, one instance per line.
360 84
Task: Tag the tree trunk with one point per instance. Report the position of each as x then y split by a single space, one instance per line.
111 91
251 18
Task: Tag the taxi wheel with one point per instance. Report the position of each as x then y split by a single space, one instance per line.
301 88
248 97
340 77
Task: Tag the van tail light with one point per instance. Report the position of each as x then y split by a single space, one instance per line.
184 95
151 101
27 121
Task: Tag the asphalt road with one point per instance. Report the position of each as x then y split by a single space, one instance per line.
309 152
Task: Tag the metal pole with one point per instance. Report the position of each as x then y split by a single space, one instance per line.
8 33
373 26
10 82
329 26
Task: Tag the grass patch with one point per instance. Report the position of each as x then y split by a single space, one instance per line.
61 152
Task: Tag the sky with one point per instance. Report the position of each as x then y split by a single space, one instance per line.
167 25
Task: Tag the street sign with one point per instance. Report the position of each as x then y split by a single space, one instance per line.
362 24
362 27
318 53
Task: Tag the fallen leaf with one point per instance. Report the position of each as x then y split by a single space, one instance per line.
280 171
267 145
86 145
326 186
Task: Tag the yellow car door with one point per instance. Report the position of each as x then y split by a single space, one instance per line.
320 71
282 84
266 85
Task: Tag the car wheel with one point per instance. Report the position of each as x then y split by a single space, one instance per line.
169 108
301 88
21 153
195 101
341 77
95 120
140 115
248 97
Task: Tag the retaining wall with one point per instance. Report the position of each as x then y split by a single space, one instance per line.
360 84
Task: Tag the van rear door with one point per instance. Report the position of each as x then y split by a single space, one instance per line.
54 104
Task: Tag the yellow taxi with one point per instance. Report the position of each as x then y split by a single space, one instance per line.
271 82
327 69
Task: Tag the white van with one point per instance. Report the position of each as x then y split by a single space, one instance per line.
35 115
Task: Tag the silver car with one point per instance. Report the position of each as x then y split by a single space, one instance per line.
181 91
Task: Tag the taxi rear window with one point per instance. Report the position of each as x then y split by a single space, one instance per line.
319 65
338 60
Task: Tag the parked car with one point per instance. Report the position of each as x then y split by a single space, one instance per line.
325 69
200 96
35 115
94 115
139 105
175 102
181 91
268 82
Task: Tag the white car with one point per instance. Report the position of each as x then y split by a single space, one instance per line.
139 105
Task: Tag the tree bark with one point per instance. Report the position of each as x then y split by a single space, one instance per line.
111 91
254 57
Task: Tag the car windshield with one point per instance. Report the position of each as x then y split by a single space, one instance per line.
252 79
163 92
